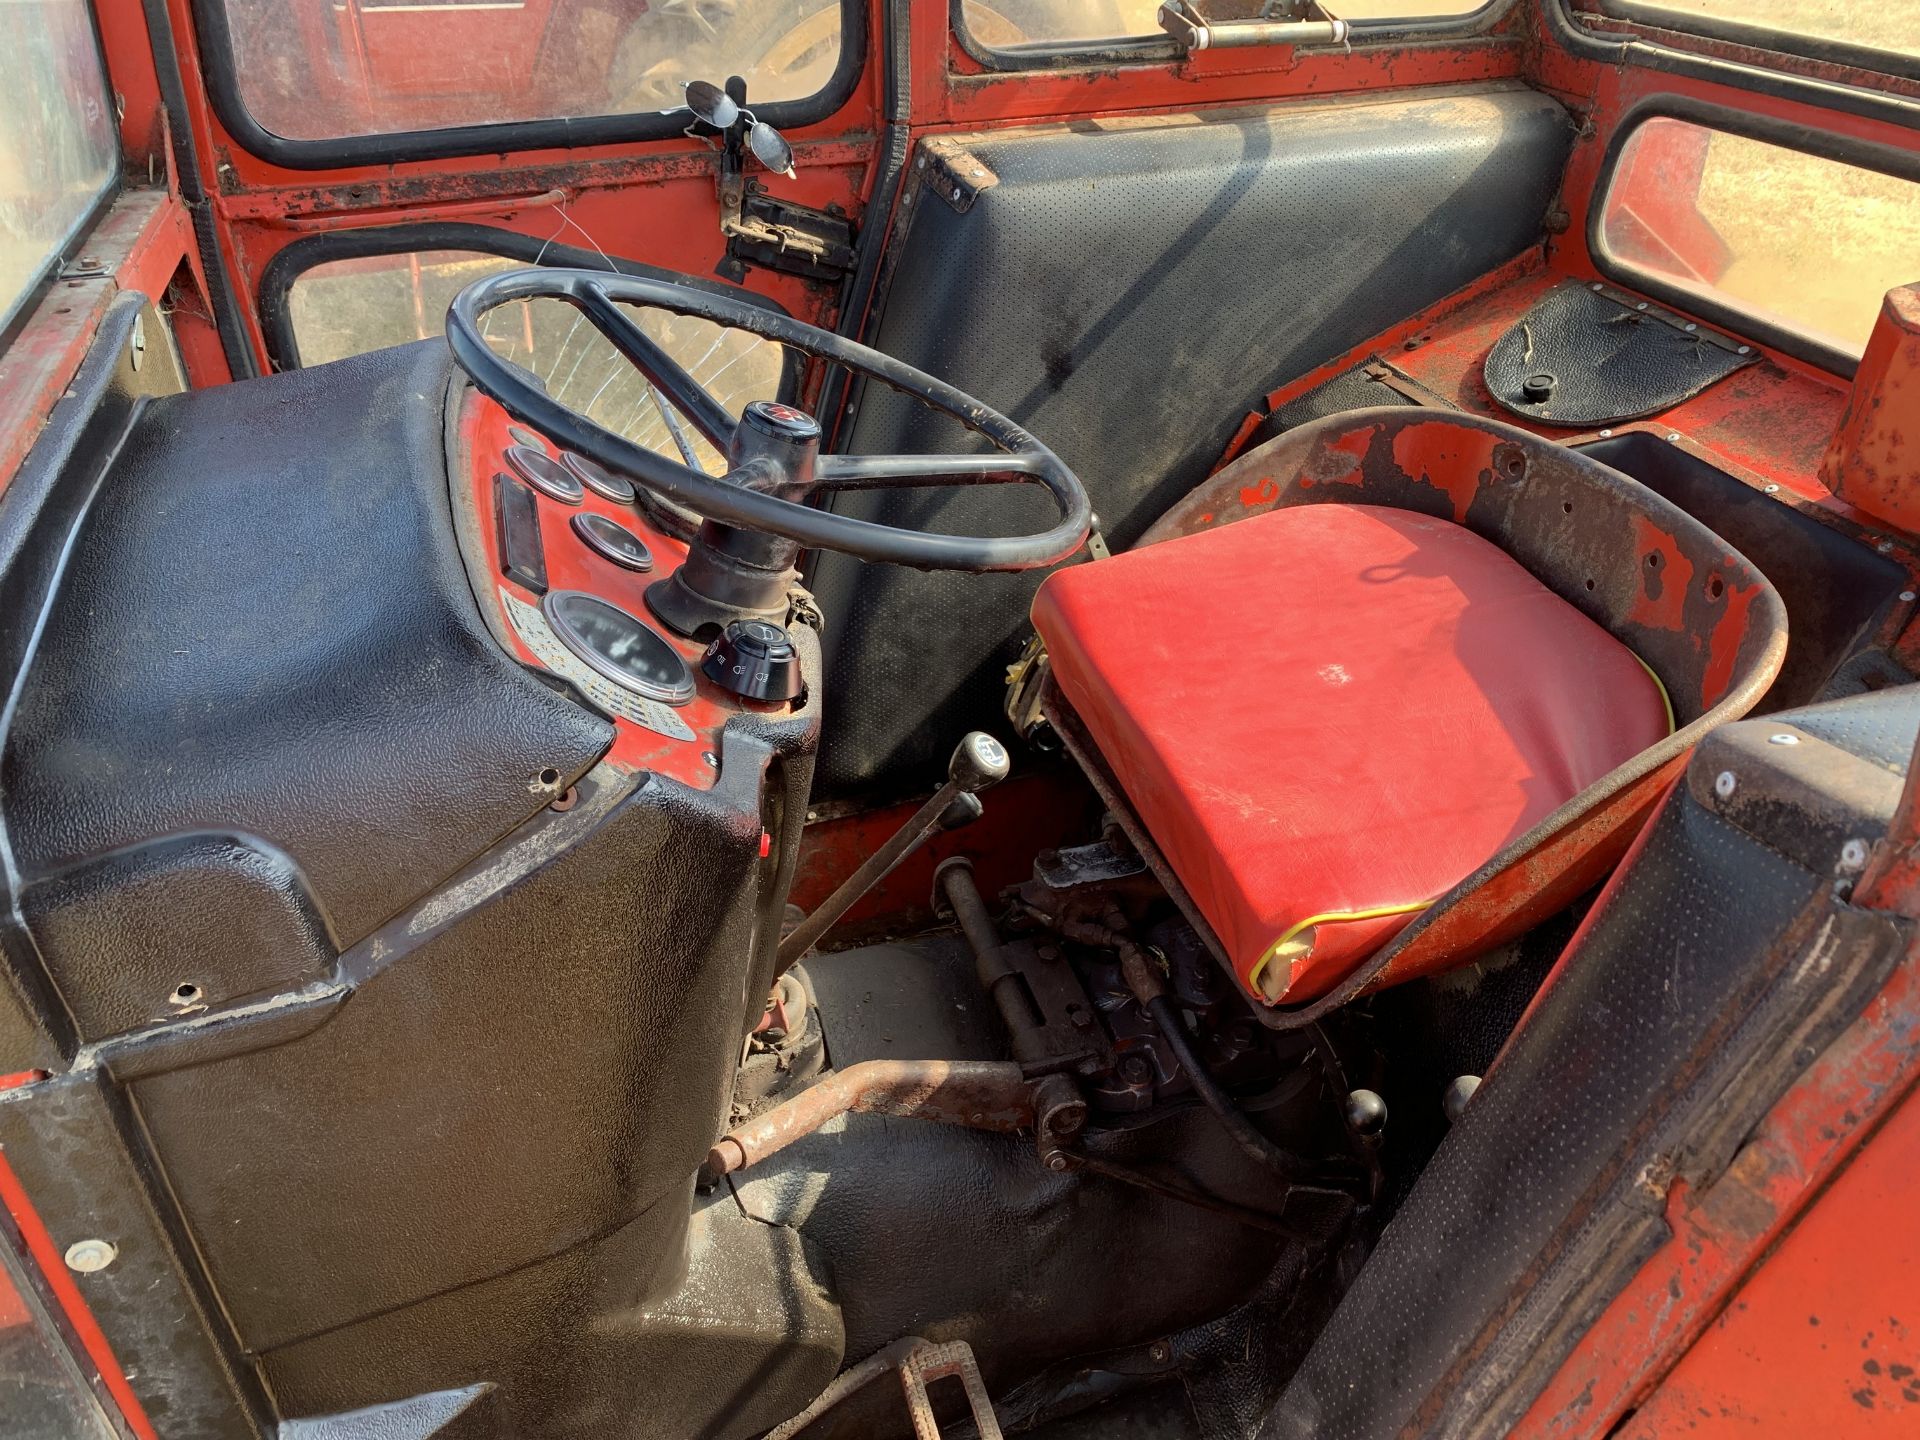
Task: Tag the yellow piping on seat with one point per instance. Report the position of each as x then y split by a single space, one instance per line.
1381 912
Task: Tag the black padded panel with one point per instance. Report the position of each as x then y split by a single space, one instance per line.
1675 1018
1607 360
1121 291
224 914
264 601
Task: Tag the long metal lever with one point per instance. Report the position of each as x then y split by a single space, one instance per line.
978 761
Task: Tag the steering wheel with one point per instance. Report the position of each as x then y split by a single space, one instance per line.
773 449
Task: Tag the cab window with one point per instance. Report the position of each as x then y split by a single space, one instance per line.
347 307
58 147
1794 240
310 71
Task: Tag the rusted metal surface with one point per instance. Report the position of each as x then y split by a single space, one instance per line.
951 1361
1824 1338
979 1094
1874 458
1041 809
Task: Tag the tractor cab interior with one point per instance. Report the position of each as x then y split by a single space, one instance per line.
1044 720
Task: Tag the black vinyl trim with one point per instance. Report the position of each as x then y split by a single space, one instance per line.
1807 139
1163 49
1563 29
1762 37
223 89
290 263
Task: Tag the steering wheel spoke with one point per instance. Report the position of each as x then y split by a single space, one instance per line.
670 380
893 472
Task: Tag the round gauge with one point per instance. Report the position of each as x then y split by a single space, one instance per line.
618 646
612 541
523 436
545 474
597 478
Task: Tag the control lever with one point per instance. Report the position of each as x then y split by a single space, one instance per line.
978 761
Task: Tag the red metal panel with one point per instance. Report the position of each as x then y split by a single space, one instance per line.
1824 1339
1874 460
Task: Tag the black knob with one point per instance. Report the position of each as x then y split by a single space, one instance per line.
756 659
1539 387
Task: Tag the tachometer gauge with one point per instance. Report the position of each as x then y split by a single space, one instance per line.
618 646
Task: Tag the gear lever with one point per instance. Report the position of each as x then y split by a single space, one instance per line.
978 761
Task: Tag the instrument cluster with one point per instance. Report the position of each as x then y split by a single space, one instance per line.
568 557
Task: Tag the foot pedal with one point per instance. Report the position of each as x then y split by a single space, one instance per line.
952 1361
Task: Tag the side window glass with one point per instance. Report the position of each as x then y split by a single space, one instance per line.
1793 239
346 307
59 149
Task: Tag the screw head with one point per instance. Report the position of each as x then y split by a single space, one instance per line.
1599 287
1906 597
1853 855
713 760
1724 784
1884 546
1771 488
1746 350
1673 435
1160 1352
86 1257
1783 739
1606 434
1691 327
1056 1162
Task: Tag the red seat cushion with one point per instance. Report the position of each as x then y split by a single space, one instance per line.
1329 715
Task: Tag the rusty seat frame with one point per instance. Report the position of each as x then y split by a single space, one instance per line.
1709 625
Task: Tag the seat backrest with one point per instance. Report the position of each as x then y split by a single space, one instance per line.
1123 288
1708 624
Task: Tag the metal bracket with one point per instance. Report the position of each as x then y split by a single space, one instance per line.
954 173
951 1361
1275 22
776 234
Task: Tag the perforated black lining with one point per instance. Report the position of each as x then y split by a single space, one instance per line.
1121 291
1660 1036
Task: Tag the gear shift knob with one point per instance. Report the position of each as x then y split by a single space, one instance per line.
978 761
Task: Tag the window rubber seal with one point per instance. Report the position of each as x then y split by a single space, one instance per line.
218 67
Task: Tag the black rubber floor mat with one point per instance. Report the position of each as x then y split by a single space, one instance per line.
1587 354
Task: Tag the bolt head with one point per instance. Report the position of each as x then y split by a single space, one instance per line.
1724 784
1056 1162
86 1257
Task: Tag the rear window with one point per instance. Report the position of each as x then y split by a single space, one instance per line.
1005 24
314 70
347 307
58 147
1799 242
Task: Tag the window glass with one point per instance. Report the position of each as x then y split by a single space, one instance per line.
1890 25
1799 241
347 307
326 69
998 24
58 147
